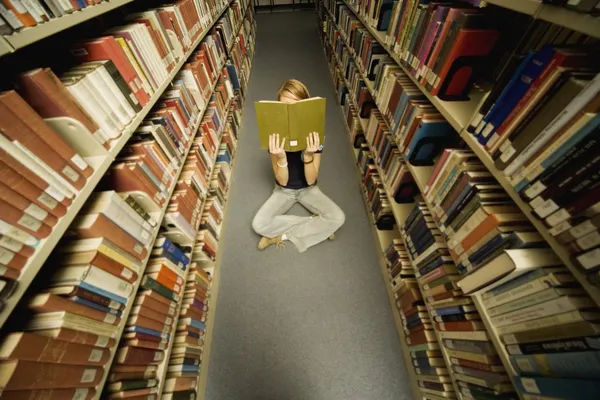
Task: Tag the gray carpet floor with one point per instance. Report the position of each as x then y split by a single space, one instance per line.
293 326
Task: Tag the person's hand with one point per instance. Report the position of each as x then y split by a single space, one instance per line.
312 143
275 147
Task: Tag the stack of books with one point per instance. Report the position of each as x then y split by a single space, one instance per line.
77 313
151 323
474 362
41 174
186 355
549 328
374 191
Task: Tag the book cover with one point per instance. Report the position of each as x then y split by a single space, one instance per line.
292 121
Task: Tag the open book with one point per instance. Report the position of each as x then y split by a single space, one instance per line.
293 121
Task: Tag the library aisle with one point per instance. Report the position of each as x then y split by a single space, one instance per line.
316 325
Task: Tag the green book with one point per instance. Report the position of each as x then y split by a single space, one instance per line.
292 121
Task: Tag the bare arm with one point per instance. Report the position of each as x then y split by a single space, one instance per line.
278 159
311 159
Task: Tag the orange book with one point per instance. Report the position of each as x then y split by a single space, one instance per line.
180 384
145 322
167 271
24 375
54 394
21 13
146 344
148 300
153 314
69 335
30 347
128 355
48 302
8 272
163 279
12 260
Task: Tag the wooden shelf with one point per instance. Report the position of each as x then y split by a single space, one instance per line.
584 23
46 247
27 36
528 7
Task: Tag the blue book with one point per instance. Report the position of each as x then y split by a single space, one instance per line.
433 265
513 80
564 389
148 331
224 157
198 324
96 306
385 14
102 292
589 128
173 250
579 365
233 76
429 139
450 310
521 280
421 362
529 73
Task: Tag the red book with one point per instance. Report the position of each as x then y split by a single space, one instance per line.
460 326
22 203
107 48
457 72
69 335
137 356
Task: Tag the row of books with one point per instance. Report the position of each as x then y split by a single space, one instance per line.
419 130
150 325
83 297
43 173
18 14
590 6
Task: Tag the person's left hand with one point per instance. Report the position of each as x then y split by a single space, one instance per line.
312 143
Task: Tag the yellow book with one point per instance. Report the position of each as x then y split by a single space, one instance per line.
292 121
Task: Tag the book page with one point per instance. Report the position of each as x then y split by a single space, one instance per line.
271 117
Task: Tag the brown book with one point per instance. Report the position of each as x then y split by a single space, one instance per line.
193 312
16 131
143 336
48 302
11 197
23 375
145 322
70 335
98 225
129 177
157 297
129 355
20 178
148 312
30 347
146 344
131 376
102 261
26 222
54 394
180 384
75 291
8 272
48 96
148 302
16 246
44 132
12 260
134 368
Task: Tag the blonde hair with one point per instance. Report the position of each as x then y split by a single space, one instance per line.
293 88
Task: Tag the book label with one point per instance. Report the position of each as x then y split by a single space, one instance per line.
47 201
36 212
17 234
582 229
102 341
10 244
126 273
18 6
95 355
70 173
138 248
29 222
89 374
6 256
530 385
590 259
110 318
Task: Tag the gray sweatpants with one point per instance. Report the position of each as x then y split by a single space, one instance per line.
304 232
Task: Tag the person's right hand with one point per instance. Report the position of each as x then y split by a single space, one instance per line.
275 147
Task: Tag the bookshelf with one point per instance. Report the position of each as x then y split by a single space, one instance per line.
459 119
44 249
27 36
459 115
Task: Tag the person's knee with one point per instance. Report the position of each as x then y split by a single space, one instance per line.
337 216
259 224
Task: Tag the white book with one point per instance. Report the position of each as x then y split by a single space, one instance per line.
102 245
92 275
147 52
101 201
159 65
549 321
63 319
